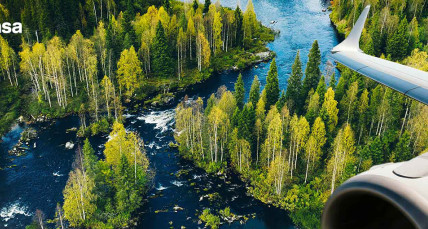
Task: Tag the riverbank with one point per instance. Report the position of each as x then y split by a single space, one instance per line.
154 93
162 92
23 190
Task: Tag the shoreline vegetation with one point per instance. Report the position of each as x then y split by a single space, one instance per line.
294 147
160 50
110 56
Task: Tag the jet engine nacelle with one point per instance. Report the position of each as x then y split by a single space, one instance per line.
393 195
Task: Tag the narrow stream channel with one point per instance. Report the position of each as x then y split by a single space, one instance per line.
36 180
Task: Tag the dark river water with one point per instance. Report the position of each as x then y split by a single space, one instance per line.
36 180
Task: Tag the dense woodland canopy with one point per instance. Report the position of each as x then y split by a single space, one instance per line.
104 193
92 56
295 147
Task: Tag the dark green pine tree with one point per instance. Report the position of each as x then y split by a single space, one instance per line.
294 85
130 38
255 91
341 88
90 159
397 44
166 4
246 122
332 82
239 92
312 71
376 150
321 89
195 5
272 85
403 151
207 6
114 42
282 101
235 117
162 62
239 29
124 186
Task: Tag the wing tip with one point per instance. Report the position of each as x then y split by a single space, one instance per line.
352 41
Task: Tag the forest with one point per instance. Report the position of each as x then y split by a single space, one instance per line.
294 147
103 193
94 57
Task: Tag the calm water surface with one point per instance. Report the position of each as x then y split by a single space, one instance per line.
36 180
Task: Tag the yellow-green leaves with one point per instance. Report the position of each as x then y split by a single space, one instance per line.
123 143
329 110
79 198
418 59
129 72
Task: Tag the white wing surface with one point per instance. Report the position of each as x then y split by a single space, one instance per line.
404 79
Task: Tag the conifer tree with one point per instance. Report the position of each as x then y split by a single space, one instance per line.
294 85
332 82
403 151
162 64
272 85
239 27
282 101
129 35
206 6
195 5
312 71
398 42
255 91
239 92
321 89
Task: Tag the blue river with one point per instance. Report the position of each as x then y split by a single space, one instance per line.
36 180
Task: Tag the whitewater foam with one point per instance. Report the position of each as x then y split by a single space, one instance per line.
57 174
160 187
163 120
9 212
177 183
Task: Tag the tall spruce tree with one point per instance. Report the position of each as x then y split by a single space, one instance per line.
282 101
332 82
272 85
207 6
195 5
397 44
129 35
312 71
321 89
239 92
162 64
239 27
295 85
255 91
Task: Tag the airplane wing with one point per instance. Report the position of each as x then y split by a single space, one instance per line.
409 81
